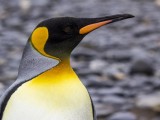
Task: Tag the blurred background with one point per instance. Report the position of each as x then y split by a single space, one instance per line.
119 63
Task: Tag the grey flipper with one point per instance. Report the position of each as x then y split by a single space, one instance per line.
32 64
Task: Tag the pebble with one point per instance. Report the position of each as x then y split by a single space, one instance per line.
2 61
97 65
114 72
142 67
14 22
104 110
122 116
98 84
81 54
118 55
157 2
1 88
25 5
113 99
110 91
11 75
151 101
40 3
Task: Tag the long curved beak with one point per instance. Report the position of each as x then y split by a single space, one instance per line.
94 23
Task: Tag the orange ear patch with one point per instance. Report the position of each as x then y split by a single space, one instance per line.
39 38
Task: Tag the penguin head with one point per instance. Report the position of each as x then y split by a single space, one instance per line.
57 37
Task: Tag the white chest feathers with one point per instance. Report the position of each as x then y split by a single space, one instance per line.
49 102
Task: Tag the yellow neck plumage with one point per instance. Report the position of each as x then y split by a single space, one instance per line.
61 73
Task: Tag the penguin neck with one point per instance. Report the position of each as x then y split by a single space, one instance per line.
62 73
63 68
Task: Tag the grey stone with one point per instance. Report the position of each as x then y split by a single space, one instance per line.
39 3
103 110
2 61
14 22
1 88
142 66
9 75
123 116
119 55
113 99
115 71
151 101
82 53
111 91
98 65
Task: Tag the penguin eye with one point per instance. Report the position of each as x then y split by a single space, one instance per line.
68 29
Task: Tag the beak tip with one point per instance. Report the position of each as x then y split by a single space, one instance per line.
128 16
121 17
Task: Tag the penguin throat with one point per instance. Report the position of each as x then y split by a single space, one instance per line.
62 72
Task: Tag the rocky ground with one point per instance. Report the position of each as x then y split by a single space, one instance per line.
119 63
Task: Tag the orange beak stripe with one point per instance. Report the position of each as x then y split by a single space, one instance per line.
91 27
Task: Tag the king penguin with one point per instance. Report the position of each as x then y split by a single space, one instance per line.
47 88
